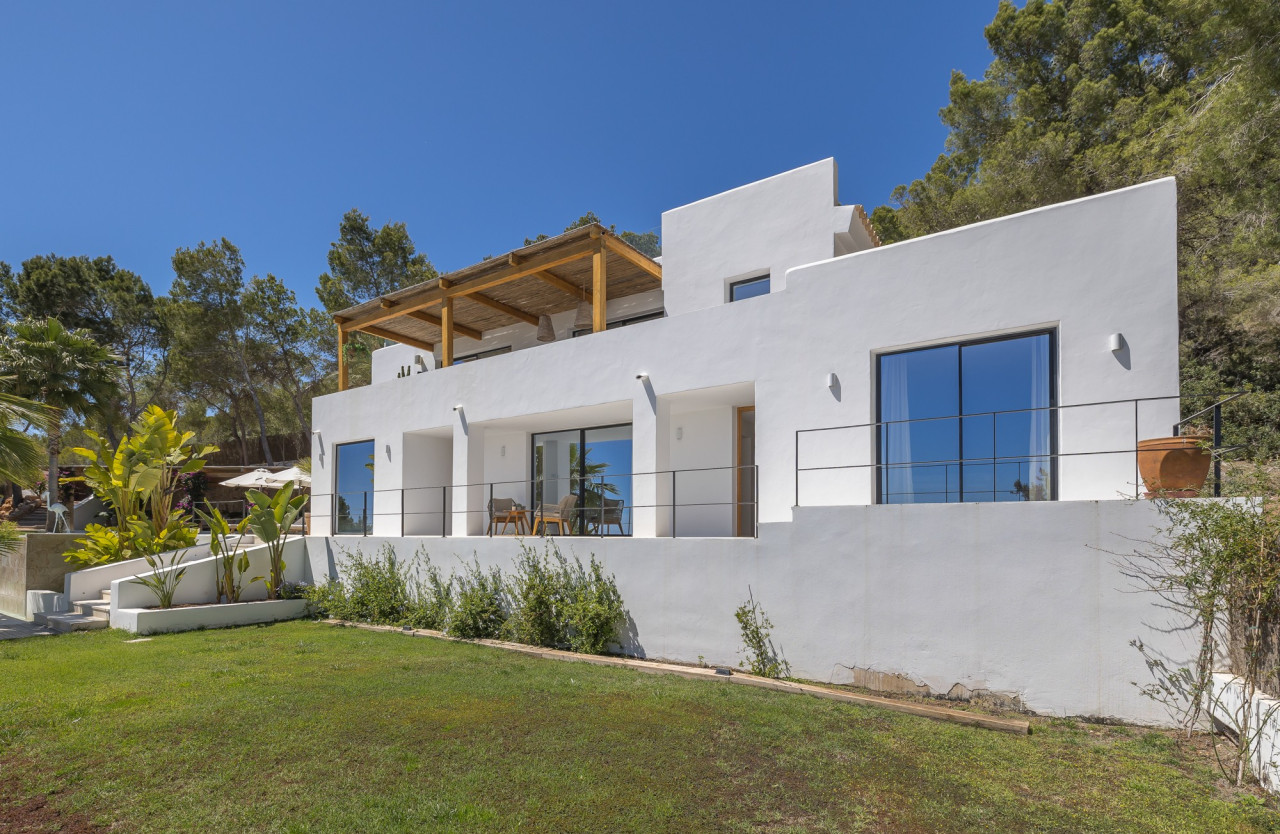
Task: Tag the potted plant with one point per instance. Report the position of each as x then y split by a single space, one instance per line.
1174 467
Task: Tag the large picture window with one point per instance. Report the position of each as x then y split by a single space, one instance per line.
968 422
594 465
353 489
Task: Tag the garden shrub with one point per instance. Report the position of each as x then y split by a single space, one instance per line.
594 611
432 599
547 601
762 658
479 608
561 604
537 599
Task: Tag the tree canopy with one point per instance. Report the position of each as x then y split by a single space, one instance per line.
1084 96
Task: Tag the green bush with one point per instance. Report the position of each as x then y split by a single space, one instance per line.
432 599
594 611
762 658
548 600
538 600
479 610
560 604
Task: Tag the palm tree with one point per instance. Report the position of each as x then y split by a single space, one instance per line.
65 370
20 454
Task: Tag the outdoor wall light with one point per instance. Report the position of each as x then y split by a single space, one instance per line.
420 362
831 380
457 408
1116 342
642 375
679 432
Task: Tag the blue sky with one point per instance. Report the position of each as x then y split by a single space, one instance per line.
134 128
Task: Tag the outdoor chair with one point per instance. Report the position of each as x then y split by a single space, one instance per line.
560 514
607 516
503 513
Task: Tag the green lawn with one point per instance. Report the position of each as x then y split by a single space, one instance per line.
307 727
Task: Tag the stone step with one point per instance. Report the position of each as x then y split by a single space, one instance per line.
65 623
89 607
106 593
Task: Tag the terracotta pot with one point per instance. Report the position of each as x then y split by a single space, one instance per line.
1173 467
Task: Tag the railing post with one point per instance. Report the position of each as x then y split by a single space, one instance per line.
797 469
755 497
402 512
600 523
444 510
673 503
490 505
364 515
1137 479
1217 444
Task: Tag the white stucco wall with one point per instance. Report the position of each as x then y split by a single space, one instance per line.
1017 599
1088 268
768 226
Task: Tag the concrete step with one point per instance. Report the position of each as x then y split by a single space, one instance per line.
106 593
89 606
65 623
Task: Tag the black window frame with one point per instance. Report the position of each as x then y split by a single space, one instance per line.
1051 332
652 315
535 497
755 279
481 354
367 520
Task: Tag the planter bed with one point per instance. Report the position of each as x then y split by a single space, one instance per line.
189 618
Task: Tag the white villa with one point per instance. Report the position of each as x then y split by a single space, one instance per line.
919 457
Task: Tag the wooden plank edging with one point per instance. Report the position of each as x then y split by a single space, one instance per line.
1016 726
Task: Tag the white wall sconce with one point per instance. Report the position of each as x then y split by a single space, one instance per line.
457 408
642 376
679 432
1116 342
421 362
502 452
831 380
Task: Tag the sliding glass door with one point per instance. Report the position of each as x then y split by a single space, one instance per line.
968 422
594 466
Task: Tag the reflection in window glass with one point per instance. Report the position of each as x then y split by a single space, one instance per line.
595 466
353 490
749 288
967 422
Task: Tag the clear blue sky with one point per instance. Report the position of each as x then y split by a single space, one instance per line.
134 128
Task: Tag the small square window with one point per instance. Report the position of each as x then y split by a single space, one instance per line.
750 288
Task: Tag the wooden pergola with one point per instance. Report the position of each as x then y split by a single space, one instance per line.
590 264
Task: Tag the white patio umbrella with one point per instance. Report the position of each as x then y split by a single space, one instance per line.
293 473
256 478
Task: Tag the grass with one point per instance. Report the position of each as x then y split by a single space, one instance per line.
303 727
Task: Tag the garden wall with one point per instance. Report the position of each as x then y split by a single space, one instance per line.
1022 600
37 565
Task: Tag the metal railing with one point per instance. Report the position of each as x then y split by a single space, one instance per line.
1051 457
430 510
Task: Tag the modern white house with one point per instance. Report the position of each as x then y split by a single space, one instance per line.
918 456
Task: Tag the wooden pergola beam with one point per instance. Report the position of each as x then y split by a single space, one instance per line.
432 296
396 337
563 285
623 250
494 304
460 329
